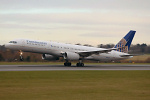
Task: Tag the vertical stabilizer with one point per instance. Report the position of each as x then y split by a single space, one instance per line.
124 44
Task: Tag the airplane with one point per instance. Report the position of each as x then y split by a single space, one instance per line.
54 50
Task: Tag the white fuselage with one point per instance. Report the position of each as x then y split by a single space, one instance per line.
55 49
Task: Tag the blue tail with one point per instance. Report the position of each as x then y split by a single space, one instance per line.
124 44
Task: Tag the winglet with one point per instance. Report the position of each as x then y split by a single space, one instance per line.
124 44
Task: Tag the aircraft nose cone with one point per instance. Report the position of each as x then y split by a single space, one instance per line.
3 45
6 45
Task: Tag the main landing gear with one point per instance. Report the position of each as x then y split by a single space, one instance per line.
80 64
67 63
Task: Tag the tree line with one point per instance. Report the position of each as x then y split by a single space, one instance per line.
10 55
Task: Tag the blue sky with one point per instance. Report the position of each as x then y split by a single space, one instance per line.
75 21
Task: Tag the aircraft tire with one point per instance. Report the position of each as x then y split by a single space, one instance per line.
67 64
80 64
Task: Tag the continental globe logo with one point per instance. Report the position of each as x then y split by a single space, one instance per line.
122 46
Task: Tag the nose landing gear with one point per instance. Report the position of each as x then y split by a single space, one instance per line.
21 56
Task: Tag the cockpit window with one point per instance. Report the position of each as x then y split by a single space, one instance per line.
13 42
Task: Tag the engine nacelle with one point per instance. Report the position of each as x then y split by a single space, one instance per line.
72 56
49 57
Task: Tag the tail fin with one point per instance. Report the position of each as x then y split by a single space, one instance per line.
124 44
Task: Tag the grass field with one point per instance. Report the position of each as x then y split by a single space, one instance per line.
31 63
75 85
139 59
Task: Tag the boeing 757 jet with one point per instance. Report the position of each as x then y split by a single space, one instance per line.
54 50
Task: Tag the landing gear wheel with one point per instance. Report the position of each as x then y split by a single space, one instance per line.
21 58
80 64
67 64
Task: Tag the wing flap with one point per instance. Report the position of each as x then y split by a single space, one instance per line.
129 55
88 53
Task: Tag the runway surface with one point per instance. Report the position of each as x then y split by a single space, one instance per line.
61 67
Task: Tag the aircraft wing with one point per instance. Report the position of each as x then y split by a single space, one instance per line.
88 53
131 55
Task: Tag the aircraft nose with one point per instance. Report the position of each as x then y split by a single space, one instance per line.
6 45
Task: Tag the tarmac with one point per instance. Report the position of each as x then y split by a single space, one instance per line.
86 67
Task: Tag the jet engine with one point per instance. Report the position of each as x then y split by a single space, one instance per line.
49 57
72 56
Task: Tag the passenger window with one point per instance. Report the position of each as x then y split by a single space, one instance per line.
13 42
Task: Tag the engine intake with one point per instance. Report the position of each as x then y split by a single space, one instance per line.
72 56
